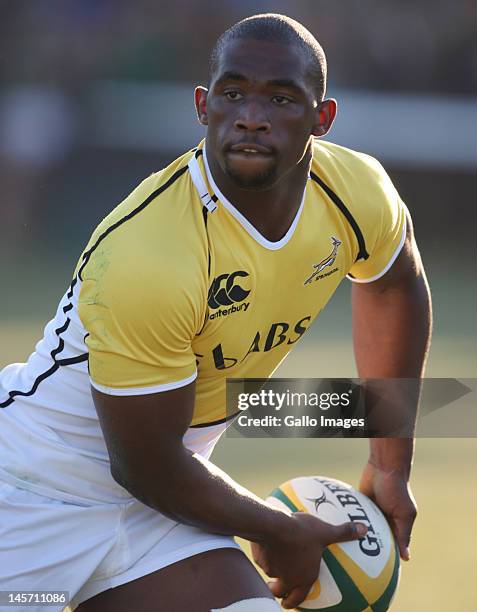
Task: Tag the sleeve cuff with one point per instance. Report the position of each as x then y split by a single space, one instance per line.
388 265
144 390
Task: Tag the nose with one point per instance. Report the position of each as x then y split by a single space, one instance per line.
252 118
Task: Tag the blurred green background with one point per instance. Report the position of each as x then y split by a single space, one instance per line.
95 95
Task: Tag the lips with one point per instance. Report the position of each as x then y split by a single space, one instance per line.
250 148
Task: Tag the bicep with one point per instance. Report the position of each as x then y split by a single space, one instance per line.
143 433
392 318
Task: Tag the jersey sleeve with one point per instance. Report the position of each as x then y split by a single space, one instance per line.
139 332
384 224
143 299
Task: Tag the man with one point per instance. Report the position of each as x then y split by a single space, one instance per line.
107 489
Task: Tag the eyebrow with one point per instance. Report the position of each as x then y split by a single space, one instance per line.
229 75
236 76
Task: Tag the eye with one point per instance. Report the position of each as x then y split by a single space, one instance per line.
233 95
281 100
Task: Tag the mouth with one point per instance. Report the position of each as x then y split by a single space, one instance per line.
251 165
248 148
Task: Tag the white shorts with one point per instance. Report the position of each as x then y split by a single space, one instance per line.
50 545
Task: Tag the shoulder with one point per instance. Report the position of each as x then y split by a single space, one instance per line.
346 165
357 178
151 249
162 215
369 200
158 195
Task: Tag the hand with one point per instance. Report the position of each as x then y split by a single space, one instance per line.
391 492
294 557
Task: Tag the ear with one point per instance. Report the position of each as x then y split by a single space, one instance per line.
200 99
325 115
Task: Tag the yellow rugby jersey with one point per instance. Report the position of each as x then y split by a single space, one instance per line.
176 284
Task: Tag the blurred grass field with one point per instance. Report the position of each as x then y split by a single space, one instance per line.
441 575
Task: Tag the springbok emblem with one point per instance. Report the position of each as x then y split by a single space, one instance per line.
326 262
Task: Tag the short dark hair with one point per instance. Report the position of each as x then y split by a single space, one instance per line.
276 28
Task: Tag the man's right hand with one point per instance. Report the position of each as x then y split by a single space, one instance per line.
293 558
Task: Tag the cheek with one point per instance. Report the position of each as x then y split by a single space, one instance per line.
219 122
295 145
219 110
296 134
297 123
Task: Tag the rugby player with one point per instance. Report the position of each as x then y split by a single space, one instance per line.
209 269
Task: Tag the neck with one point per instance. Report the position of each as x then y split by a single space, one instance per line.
270 211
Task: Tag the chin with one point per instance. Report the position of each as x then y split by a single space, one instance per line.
257 181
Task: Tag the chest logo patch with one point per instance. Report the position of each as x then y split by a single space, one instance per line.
227 290
327 262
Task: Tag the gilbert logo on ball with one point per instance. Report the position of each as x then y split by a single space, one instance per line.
358 576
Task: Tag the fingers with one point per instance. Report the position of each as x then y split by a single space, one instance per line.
346 532
391 492
277 587
295 597
401 520
402 528
291 599
256 549
260 557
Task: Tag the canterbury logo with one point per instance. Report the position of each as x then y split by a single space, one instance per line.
226 291
325 263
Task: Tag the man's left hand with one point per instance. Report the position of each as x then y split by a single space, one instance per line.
390 490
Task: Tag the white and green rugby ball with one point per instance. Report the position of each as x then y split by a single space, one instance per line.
357 576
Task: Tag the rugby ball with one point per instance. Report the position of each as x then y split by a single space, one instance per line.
357 576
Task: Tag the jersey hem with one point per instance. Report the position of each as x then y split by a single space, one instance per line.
388 265
144 390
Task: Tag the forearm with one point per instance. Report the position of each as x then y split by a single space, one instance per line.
391 332
192 490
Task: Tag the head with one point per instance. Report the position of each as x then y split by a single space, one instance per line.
265 99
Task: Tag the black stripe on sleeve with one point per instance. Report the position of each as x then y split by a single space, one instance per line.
54 367
72 360
362 253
